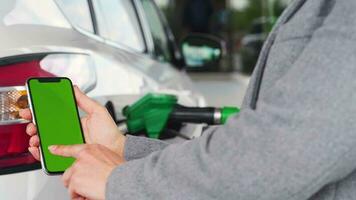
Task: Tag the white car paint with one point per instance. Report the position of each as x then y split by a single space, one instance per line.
122 76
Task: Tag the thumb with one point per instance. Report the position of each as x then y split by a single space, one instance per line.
66 150
84 102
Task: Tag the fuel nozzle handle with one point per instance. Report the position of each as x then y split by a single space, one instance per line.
153 112
207 115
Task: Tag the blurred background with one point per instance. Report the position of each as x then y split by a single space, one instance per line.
242 24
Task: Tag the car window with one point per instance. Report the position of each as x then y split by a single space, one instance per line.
117 21
43 12
160 39
78 13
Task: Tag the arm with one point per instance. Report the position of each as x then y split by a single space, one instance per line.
299 139
139 147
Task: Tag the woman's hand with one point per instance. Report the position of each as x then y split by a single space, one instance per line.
98 126
87 177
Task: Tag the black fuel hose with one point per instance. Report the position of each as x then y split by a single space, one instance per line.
182 114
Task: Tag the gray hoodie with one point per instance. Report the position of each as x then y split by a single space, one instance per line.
295 136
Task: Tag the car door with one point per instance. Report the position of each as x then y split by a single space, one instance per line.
122 26
119 21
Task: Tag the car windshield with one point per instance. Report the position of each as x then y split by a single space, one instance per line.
43 12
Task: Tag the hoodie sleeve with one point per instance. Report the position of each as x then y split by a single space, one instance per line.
139 147
300 138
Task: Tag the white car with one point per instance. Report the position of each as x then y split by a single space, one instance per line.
114 50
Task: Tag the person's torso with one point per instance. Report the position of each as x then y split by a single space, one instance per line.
286 42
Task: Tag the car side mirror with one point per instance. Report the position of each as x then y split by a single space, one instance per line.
202 51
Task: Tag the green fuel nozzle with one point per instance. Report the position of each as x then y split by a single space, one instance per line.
153 112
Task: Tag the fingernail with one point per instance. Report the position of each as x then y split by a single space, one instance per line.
52 148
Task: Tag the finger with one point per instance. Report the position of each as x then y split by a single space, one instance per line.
66 176
31 129
34 141
84 122
79 198
73 194
35 152
25 114
84 102
66 150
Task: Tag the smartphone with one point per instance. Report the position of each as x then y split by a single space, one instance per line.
55 113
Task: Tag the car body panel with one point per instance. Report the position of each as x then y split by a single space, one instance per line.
34 185
122 76
137 68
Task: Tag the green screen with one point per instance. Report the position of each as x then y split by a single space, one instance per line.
57 119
